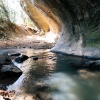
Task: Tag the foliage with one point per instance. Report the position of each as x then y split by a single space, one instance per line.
3 11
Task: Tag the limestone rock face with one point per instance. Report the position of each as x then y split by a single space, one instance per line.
77 22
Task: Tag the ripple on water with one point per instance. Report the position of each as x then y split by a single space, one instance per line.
53 77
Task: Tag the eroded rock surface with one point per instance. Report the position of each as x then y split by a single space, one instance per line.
77 22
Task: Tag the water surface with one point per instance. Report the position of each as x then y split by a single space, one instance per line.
54 77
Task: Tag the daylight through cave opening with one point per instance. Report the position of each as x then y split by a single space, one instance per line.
77 23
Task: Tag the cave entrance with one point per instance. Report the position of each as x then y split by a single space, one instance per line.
17 30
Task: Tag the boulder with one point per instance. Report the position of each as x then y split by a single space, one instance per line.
9 74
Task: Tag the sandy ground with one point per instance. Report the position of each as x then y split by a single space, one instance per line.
27 41
23 37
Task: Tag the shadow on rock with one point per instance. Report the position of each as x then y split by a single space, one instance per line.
91 65
9 74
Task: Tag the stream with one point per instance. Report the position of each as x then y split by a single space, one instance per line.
53 77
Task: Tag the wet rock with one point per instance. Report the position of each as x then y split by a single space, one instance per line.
41 91
35 58
7 61
41 88
9 74
21 59
4 60
14 54
44 96
54 59
1 64
92 65
9 68
7 94
3 87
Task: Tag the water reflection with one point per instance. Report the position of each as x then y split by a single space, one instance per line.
62 87
29 83
54 77
66 87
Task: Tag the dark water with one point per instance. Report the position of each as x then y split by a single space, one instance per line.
54 77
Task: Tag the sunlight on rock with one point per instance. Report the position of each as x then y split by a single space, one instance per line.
18 84
15 15
1 98
24 66
18 15
24 97
29 37
49 37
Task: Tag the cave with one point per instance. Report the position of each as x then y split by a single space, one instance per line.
49 49
77 23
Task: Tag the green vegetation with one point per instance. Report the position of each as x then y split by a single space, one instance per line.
5 23
10 16
93 38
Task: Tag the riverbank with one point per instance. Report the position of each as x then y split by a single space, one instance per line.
14 37
41 78
27 41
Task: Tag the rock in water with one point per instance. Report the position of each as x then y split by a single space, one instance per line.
8 75
14 54
21 59
3 87
35 58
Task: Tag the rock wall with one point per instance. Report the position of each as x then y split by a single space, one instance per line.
77 22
